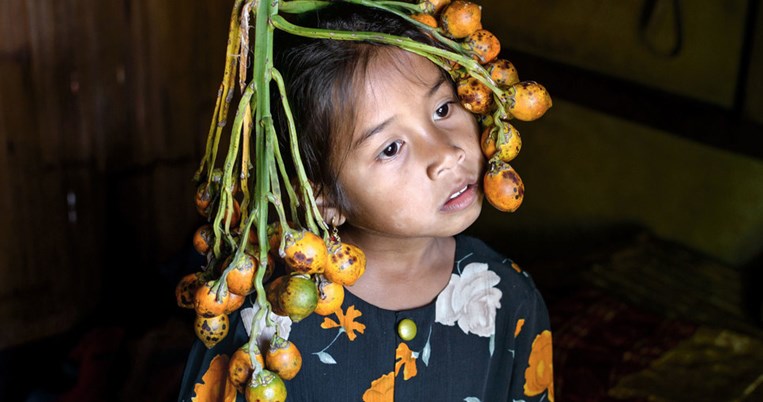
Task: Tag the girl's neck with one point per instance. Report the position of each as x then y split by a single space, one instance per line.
402 273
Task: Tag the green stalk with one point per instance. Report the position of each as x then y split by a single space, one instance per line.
394 7
301 6
275 186
263 59
225 206
210 136
414 8
293 200
311 208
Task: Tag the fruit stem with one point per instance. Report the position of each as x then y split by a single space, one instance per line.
253 336
301 6
311 208
246 160
394 7
225 206
224 95
293 200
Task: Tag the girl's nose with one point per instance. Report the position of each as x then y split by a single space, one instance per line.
445 155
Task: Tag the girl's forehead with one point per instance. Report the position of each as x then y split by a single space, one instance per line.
396 70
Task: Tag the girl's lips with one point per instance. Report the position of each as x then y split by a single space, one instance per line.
462 199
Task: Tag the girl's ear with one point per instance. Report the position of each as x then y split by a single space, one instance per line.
329 212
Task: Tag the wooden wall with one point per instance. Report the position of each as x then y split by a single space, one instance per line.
104 106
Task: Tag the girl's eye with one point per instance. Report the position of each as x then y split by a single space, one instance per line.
391 150
443 111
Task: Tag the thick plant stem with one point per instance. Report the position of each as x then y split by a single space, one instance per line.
263 59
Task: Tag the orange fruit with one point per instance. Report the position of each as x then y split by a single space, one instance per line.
240 367
203 197
433 6
186 289
234 302
461 18
297 296
211 330
483 45
330 297
426 19
283 358
503 187
487 141
240 277
502 72
505 144
266 387
530 100
271 292
475 96
305 251
203 239
206 302
346 263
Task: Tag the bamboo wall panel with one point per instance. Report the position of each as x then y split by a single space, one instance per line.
104 108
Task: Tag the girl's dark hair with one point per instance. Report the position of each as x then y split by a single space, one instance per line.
320 75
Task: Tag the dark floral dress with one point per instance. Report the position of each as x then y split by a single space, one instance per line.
485 338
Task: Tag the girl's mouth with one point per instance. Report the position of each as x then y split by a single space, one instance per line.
461 198
459 192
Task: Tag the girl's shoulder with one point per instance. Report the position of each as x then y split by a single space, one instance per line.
473 254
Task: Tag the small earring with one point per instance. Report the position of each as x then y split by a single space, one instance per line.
334 230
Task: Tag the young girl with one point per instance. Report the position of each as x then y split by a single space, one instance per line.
397 164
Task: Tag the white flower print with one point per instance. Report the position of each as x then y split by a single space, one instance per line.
471 300
266 334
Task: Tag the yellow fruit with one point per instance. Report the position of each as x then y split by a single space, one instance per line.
283 358
503 187
211 330
330 297
306 252
530 100
346 264
461 18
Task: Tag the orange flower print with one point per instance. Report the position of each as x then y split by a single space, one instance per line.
520 324
214 386
346 321
382 389
539 375
404 358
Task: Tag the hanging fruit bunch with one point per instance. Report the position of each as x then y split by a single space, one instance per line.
241 241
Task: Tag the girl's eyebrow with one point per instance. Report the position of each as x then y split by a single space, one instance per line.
371 131
436 86
379 127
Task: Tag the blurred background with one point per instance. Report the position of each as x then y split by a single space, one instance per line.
642 222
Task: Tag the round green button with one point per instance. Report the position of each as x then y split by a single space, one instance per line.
406 329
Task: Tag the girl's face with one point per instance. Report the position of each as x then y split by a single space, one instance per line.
414 163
